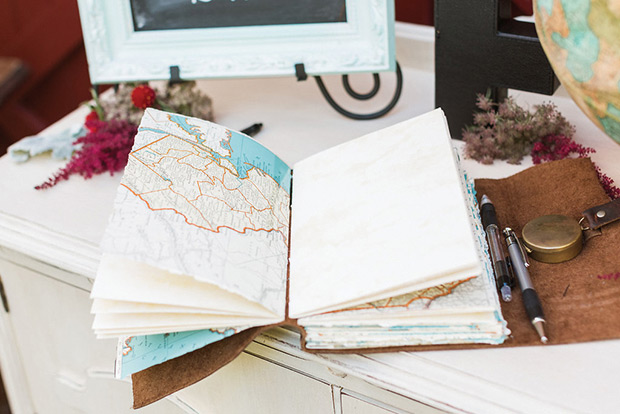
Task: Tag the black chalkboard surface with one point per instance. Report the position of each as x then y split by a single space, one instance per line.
191 14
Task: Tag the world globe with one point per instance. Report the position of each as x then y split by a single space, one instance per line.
582 41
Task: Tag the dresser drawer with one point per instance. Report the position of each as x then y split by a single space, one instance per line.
252 385
353 405
48 346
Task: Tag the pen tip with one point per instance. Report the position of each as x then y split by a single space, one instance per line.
539 325
485 199
506 293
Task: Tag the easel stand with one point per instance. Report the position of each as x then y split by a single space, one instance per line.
300 73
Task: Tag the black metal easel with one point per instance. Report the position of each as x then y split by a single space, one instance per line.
301 75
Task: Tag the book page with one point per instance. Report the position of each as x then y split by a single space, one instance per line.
201 201
379 216
144 285
464 311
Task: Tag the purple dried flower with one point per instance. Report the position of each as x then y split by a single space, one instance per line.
509 132
484 103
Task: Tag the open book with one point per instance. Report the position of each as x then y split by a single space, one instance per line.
379 246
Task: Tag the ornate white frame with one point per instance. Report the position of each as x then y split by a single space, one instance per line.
116 53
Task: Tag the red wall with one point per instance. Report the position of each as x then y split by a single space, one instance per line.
46 35
415 11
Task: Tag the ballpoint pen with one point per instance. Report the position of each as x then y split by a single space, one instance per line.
498 257
252 129
530 297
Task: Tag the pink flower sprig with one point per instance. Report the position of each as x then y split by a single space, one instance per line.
609 276
559 147
608 184
104 149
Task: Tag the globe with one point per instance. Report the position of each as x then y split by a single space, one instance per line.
582 41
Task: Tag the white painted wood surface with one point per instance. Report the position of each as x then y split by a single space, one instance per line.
64 369
49 250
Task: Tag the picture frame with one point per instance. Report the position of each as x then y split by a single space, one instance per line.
117 52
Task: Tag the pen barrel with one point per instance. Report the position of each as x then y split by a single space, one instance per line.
488 216
500 267
495 247
532 305
518 267
502 274
502 277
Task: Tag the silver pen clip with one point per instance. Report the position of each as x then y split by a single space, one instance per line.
511 238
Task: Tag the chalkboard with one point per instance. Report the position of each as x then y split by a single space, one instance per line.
193 14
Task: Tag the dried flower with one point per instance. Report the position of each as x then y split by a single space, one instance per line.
484 103
106 148
186 99
118 105
609 276
608 184
558 147
511 132
92 116
508 132
143 96
113 124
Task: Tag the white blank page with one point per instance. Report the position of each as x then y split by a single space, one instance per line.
379 216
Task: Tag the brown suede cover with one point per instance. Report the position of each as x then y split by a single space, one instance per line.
579 302
161 380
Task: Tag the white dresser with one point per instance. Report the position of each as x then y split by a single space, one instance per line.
52 363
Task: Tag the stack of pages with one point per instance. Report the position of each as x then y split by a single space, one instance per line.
380 244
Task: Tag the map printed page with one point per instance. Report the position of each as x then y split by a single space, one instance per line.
198 204
136 353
